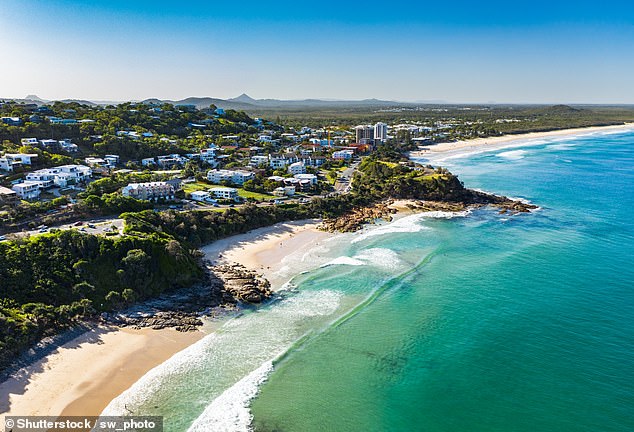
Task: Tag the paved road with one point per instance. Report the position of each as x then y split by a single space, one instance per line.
342 185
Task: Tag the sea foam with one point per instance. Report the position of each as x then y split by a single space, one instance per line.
230 411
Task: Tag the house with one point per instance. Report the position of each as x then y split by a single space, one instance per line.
284 191
61 176
11 121
112 160
48 143
152 191
343 155
225 193
258 161
314 161
202 196
297 168
28 190
280 161
68 146
8 164
236 177
29 141
7 195
21 158
170 160
148 162
310 178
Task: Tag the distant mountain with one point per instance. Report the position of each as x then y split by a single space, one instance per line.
244 98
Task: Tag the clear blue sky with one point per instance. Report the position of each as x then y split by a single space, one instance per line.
459 51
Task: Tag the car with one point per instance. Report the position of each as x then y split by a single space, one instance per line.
2 238
43 230
80 223
92 226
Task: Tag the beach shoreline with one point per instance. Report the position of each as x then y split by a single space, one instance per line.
484 144
111 359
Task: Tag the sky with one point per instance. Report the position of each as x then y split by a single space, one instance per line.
456 51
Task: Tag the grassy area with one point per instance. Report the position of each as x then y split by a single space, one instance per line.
255 195
196 186
199 186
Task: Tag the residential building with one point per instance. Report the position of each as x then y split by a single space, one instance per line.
23 158
297 168
202 196
11 121
284 191
364 134
48 143
152 191
8 164
380 133
259 161
170 161
236 177
311 178
225 193
28 190
277 161
343 154
7 195
314 161
29 141
62 176
148 162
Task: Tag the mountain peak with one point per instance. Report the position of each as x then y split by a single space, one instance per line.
34 98
245 98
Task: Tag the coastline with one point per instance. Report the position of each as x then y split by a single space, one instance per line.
112 359
263 250
109 359
483 144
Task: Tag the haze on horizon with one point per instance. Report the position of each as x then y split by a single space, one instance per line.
542 52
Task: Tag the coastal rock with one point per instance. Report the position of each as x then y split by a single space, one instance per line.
239 284
355 220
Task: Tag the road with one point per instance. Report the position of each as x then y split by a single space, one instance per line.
342 185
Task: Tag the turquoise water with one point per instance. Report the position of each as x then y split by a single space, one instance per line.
474 322
504 323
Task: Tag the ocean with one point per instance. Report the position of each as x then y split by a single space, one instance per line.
474 321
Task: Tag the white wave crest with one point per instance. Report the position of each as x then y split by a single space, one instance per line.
513 154
344 260
407 224
230 411
377 257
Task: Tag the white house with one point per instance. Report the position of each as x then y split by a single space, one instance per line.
152 191
297 168
202 196
284 191
8 164
23 158
27 190
48 143
311 178
343 154
225 193
236 177
61 176
258 161
29 141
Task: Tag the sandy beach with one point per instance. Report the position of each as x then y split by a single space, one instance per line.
263 250
500 141
83 375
